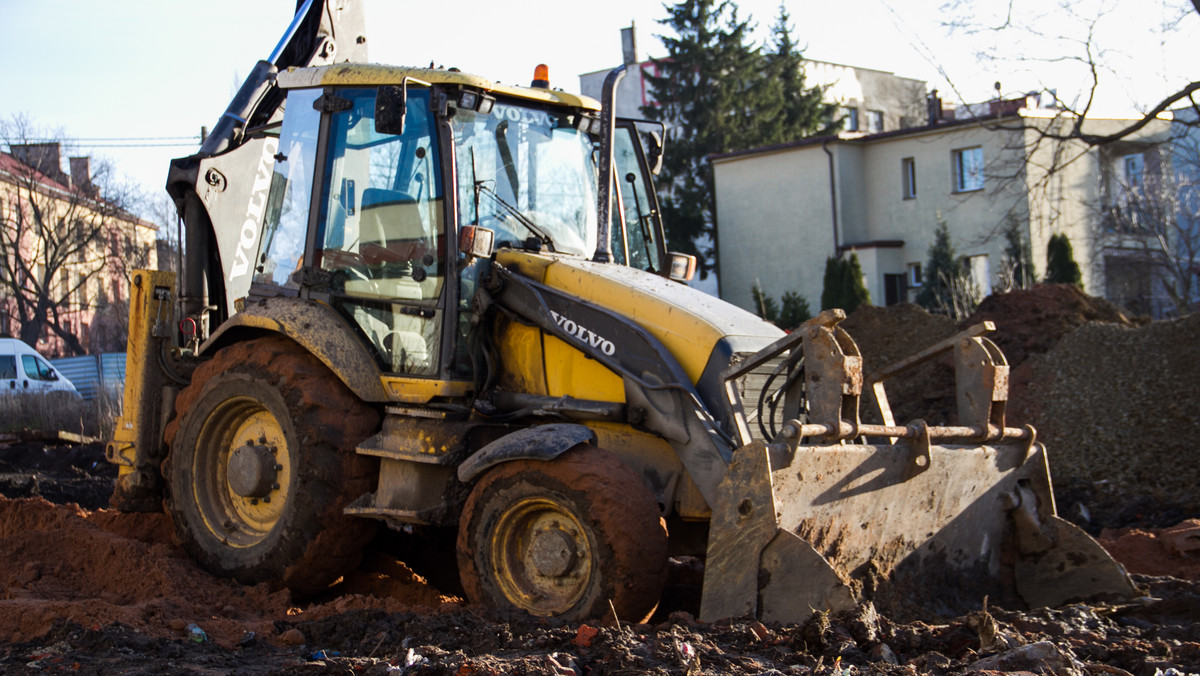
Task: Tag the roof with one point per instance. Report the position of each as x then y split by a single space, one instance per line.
854 138
857 138
16 170
375 74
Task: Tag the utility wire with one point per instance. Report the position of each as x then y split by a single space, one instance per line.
106 139
193 142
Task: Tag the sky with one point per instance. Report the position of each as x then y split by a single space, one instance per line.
120 73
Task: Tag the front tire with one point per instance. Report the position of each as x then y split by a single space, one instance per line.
262 463
564 538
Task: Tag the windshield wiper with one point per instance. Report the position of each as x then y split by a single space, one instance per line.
481 187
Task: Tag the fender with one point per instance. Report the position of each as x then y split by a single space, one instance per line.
317 328
543 442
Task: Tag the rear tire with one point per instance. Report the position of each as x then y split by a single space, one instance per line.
262 463
564 538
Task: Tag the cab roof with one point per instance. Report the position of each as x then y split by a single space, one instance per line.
370 74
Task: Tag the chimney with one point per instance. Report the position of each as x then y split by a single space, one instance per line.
934 107
629 44
45 157
81 174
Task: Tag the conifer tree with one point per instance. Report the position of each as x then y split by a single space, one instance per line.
854 291
844 287
943 271
696 87
804 112
717 93
831 288
1061 267
794 311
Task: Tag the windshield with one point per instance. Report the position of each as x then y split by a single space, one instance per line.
526 173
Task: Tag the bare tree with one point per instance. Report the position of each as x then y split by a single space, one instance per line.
66 241
1090 44
1149 226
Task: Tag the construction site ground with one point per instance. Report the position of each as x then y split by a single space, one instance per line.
91 590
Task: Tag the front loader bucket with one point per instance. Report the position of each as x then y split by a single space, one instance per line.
922 520
825 527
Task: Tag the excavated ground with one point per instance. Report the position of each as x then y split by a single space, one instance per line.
90 590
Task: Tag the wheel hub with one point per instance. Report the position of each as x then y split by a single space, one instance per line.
552 553
252 471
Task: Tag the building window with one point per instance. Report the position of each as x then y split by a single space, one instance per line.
968 169
908 174
850 118
1134 170
915 275
874 121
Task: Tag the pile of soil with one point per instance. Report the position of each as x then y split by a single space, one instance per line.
1120 413
1113 398
885 335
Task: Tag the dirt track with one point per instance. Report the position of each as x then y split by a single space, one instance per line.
91 590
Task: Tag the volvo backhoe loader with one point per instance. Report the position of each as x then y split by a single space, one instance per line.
420 298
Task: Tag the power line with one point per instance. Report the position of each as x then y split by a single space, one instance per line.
193 142
107 139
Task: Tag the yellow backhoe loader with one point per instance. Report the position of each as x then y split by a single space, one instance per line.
420 298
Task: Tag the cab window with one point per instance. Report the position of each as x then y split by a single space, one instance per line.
291 192
383 237
641 248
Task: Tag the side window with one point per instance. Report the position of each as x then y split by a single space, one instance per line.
383 237
286 222
642 249
8 367
35 368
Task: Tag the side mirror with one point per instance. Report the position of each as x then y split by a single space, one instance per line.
475 241
654 154
682 267
391 104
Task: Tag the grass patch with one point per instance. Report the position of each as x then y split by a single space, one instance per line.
60 412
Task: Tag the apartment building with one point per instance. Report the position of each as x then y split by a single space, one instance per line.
782 210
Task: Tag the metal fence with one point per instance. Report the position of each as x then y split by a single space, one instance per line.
94 374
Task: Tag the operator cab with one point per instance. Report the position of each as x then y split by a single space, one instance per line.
367 178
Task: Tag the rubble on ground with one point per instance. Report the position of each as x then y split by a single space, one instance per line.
91 590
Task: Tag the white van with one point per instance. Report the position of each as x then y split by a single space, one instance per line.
23 370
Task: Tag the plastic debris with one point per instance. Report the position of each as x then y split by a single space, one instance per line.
323 655
195 634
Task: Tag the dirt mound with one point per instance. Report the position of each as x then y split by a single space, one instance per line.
1114 399
1120 413
1032 321
65 563
885 335
1173 551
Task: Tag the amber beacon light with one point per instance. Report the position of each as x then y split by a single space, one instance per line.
541 77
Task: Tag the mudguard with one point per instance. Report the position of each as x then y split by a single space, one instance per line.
543 442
